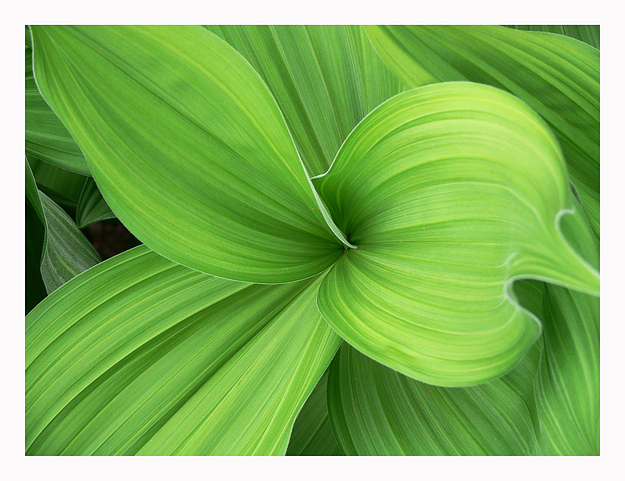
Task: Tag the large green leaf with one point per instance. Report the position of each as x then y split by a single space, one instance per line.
377 411
567 390
65 252
312 433
140 355
193 156
325 78
46 136
91 206
450 191
555 75
586 33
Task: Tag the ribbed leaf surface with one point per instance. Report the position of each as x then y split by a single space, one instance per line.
312 433
589 34
325 78
555 75
140 355
65 252
376 411
193 156
61 185
91 206
46 136
567 389
449 191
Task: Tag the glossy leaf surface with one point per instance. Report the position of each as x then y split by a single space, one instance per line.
449 191
144 356
555 75
194 155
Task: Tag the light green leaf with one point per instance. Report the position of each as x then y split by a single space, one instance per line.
567 390
377 411
46 136
555 75
450 192
325 79
589 34
194 156
312 433
66 252
140 355
92 207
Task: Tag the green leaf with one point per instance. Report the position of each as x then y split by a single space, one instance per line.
62 186
589 34
140 355
377 411
555 75
194 156
92 207
567 390
325 79
35 288
312 433
65 250
450 191
46 136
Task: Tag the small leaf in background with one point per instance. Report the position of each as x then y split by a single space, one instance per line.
449 191
312 433
61 185
589 34
140 355
65 250
92 207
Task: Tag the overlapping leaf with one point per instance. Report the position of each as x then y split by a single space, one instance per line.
312 433
61 185
63 251
449 191
324 78
567 389
46 136
589 34
555 75
91 206
377 411
194 155
140 355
